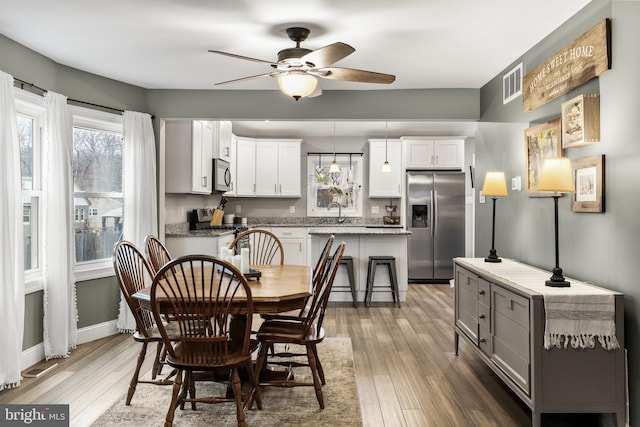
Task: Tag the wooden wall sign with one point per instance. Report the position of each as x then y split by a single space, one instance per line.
586 57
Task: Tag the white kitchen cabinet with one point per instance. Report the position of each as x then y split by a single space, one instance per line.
385 184
268 167
245 166
233 168
430 153
223 137
294 244
225 240
179 246
189 154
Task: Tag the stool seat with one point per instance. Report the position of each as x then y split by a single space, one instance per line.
347 261
374 262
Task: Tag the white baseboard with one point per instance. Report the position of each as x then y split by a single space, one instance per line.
35 354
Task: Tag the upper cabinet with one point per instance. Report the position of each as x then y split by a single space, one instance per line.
385 184
189 156
268 167
190 147
431 153
224 137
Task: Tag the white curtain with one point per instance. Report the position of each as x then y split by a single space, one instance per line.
60 310
11 235
140 199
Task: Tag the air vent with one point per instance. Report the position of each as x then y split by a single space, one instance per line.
512 84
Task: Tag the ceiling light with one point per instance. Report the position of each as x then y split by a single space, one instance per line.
386 167
297 84
334 168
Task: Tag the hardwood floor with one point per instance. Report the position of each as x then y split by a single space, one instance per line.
406 370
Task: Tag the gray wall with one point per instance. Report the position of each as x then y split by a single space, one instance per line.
599 248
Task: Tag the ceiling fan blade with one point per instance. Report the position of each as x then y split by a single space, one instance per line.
328 55
353 75
246 78
247 58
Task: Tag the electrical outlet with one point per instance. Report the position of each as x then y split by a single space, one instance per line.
516 183
481 198
238 208
375 209
292 209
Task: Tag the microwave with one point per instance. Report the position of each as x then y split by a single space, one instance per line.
221 175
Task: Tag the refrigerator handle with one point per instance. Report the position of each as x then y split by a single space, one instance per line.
432 216
434 213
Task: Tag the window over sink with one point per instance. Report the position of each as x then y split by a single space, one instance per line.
326 190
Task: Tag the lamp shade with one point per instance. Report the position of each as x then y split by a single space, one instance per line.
297 84
495 184
556 176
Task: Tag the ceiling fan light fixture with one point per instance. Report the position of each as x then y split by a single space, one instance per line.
297 84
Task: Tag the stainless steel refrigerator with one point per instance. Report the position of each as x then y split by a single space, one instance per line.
435 217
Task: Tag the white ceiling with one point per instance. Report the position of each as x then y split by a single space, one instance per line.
163 43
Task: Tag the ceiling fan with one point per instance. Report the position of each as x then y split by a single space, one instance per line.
298 67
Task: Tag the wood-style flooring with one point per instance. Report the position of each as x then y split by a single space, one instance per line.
406 369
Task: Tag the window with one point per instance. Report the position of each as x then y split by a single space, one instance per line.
98 146
30 119
325 190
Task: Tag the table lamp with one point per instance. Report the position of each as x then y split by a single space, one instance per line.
494 186
556 177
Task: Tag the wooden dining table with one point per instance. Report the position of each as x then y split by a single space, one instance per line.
280 288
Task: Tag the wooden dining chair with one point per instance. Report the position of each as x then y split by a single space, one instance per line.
134 273
156 252
202 293
264 247
307 332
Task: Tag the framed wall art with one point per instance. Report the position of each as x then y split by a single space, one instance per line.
581 120
541 141
588 173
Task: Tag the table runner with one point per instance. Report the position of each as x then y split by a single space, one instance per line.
575 316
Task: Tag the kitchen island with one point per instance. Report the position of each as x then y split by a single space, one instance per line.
363 242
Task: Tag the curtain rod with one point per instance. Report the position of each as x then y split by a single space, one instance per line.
316 153
22 83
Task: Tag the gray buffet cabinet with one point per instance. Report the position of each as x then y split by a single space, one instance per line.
504 321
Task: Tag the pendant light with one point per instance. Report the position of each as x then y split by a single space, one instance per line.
386 167
334 168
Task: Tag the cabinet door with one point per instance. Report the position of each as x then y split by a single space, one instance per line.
466 303
224 137
294 240
419 153
245 167
289 175
266 176
385 184
232 168
180 246
449 154
202 156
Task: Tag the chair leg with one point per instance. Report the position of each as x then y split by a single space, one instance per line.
316 380
157 366
237 394
318 364
177 385
254 394
136 373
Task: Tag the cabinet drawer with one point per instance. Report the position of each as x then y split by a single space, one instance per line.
288 232
484 292
467 290
484 340
484 316
510 305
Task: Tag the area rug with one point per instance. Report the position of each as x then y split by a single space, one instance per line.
296 406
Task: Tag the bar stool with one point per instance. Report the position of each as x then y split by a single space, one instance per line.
374 262
347 261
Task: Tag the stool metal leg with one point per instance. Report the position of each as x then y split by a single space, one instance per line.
352 283
370 269
394 282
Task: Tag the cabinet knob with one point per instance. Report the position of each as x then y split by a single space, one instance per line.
481 316
483 340
481 292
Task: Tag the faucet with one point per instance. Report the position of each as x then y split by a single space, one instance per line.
340 217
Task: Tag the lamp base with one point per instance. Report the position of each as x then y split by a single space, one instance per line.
493 257
557 279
